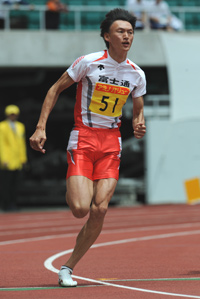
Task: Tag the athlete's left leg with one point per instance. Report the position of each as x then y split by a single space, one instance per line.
103 191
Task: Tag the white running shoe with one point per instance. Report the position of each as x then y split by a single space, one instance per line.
65 279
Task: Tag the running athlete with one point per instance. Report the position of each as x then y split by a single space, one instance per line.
105 80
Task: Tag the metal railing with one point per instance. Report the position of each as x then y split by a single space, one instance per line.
79 10
155 106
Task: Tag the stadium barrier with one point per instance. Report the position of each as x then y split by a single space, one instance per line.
88 17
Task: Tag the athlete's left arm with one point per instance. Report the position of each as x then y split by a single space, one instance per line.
139 128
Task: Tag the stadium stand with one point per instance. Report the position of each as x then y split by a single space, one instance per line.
83 14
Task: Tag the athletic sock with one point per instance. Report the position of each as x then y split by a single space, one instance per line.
68 268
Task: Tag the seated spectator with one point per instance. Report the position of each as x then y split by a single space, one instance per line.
16 4
2 17
161 18
139 9
176 23
52 15
159 15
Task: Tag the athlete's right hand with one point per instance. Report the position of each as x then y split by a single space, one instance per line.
37 140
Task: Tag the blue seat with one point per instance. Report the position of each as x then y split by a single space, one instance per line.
186 2
192 21
94 2
38 2
34 20
114 3
18 19
92 20
67 21
172 3
76 2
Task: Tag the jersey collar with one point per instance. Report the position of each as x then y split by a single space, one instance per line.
114 61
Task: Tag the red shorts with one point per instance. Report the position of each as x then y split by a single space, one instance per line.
94 153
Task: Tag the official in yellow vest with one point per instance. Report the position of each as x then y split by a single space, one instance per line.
12 155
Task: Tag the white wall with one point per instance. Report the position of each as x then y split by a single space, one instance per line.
172 157
25 48
182 54
172 147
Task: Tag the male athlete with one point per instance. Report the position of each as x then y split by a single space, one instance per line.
105 79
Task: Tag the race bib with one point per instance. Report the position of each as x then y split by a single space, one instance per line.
108 99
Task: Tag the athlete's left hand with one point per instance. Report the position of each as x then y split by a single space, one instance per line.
139 130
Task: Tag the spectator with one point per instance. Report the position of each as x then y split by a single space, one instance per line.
176 23
2 19
161 17
2 14
139 9
20 21
52 15
12 156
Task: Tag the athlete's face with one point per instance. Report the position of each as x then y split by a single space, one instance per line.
120 36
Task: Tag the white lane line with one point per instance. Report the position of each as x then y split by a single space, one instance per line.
63 215
50 260
33 217
41 230
34 239
70 227
43 238
35 225
103 283
152 279
134 289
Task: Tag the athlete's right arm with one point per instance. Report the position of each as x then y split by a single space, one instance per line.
37 140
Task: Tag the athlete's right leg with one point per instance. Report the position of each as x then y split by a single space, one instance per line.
103 191
79 195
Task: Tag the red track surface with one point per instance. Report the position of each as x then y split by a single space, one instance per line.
155 254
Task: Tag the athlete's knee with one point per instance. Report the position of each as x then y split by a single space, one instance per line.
101 211
98 212
79 211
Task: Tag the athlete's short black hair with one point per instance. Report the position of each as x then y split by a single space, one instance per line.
114 15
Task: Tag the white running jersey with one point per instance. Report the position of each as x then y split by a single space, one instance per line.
103 88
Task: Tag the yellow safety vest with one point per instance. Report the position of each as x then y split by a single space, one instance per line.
12 145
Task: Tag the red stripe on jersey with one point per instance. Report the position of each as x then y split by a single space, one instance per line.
77 61
105 55
130 64
77 108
